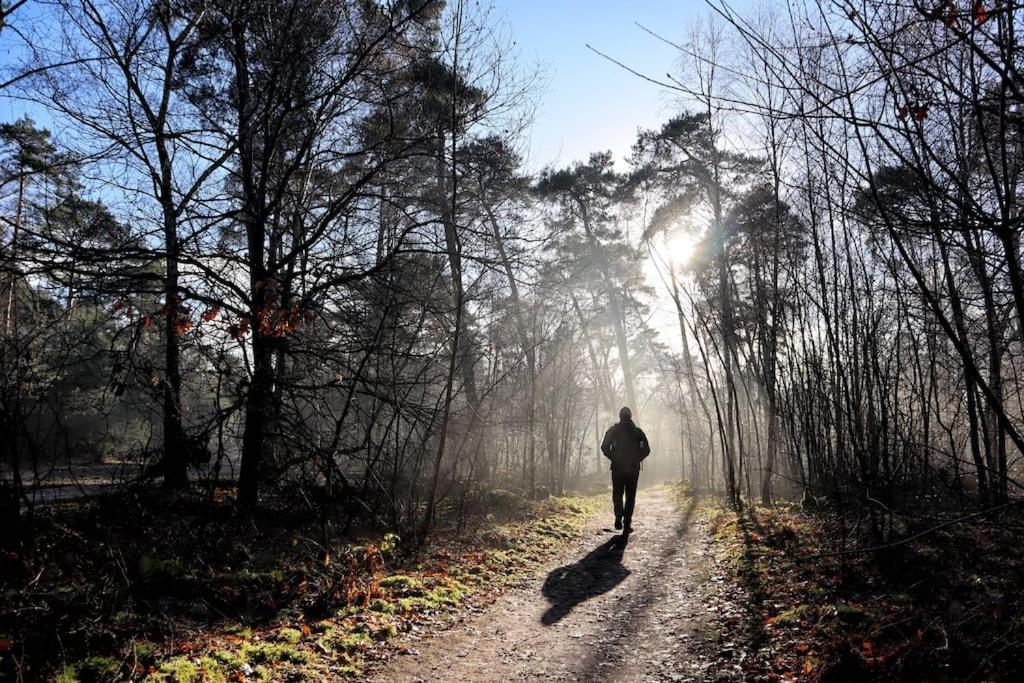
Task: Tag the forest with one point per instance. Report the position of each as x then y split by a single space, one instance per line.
288 316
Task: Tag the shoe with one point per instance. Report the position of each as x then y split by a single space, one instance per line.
618 522
628 529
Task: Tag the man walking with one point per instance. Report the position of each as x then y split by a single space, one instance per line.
626 446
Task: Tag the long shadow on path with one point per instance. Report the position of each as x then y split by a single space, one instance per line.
572 584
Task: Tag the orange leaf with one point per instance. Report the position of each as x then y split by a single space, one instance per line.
306 631
980 13
6 645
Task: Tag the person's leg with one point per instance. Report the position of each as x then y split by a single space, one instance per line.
630 490
618 487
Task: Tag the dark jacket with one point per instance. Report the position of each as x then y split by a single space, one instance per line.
626 446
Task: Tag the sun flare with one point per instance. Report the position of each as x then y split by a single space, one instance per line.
679 247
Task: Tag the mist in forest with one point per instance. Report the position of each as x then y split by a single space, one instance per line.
301 249
291 251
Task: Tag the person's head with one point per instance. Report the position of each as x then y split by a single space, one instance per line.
625 413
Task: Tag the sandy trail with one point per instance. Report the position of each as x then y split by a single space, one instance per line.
608 609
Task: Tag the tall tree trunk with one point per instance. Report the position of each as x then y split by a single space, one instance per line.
175 456
11 490
970 378
527 340
615 305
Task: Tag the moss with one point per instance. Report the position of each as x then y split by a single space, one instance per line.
682 491
279 651
67 675
415 604
571 505
382 606
212 671
143 651
242 632
176 670
403 585
725 530
792 615
325 639
91 670
557 527
502 501
348 642
323 626
228 659
265 653
451 593
289 635
263 674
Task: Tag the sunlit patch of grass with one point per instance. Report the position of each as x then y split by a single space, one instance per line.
791 616
91 670
268 653
176 670
289 635
400 584
382 599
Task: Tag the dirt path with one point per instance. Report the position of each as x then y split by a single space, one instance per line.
607 611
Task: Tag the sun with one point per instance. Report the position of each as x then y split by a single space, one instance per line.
680 247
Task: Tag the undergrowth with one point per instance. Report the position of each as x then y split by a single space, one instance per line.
793 601
153 590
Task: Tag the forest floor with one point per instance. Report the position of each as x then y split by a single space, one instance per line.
179 588
611 607
699 593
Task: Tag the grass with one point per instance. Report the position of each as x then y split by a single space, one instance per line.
944 607
269 605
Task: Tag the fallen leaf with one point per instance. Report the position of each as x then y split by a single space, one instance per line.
980 13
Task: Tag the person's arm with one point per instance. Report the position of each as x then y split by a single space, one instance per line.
645 446
607 444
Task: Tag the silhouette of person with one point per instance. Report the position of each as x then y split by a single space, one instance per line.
626 446
570 585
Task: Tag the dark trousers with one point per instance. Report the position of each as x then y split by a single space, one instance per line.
624 482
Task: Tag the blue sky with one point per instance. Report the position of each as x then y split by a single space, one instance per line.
591 104
588 104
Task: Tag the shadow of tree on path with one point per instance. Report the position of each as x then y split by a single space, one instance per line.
572 584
